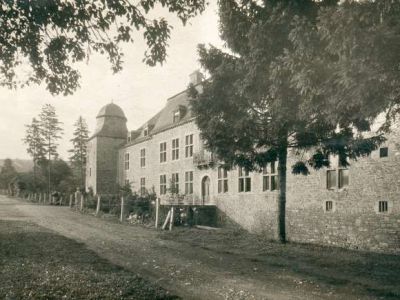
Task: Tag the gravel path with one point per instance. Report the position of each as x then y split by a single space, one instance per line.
188 271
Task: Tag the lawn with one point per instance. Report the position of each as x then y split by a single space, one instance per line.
36 263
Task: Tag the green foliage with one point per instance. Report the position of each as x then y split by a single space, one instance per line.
7 173
52 35
79 151
35 141
51 130
305 75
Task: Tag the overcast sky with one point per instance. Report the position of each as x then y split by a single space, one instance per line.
140 90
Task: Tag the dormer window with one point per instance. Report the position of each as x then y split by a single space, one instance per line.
146 131
177 116
179 113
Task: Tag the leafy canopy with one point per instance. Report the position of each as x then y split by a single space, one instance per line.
302 75
49 36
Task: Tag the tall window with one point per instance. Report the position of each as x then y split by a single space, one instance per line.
270 177
244 180
222 180
146 131
142 186
331 179
163 184
337 178
142 158
175 149
175 183
126 161
189 183
163 152
189 145
127 182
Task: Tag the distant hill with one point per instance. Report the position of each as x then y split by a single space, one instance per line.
21 165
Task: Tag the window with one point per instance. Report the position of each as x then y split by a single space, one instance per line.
270 177
127 182
328 206
222 180
176 116
142 186
189 145
175 149
126 161
244 180
163 184
146 131
142 158
338 176
175 183
383 152
331 179
189 183
343 178
383 206
163 152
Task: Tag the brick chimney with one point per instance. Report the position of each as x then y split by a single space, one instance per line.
196 77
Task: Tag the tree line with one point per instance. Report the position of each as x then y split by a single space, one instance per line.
49 173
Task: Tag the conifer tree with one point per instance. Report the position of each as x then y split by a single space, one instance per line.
51 132
35 145
272 92
78 157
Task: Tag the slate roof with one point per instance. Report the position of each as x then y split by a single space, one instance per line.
163 120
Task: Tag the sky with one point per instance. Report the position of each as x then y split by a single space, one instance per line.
141 91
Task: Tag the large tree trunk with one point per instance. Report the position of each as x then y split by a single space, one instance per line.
282 160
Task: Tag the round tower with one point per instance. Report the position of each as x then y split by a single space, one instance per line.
111 122
102 151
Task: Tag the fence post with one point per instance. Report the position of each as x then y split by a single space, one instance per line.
171 222
82 202
61 200
122 210
70 200
98 204
157 211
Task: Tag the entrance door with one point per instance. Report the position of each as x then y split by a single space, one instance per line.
205 189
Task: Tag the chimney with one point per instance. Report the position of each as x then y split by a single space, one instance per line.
196 77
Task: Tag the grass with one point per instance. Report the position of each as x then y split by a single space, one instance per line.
39 264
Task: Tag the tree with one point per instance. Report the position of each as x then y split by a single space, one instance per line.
51 133
268 96
35 143
7 173
50 36
78 157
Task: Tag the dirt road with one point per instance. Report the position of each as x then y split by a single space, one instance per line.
201 265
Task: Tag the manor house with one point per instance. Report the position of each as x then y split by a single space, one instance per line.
356 207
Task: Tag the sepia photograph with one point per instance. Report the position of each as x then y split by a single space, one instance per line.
200 149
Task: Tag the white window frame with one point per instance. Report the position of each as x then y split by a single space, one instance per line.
175 149
245 178
143 157
223 184
163 152
188 182
189 145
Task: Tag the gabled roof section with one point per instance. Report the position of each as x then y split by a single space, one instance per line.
164 119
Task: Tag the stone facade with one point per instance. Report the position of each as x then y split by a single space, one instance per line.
102 160
345 216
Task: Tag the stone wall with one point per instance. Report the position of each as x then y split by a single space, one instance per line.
353 222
